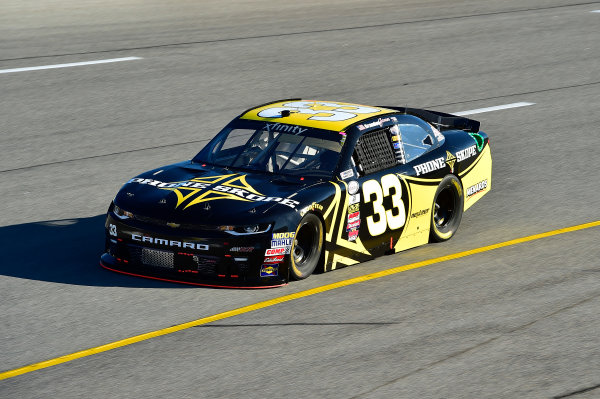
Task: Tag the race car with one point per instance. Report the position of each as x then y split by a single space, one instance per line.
297 186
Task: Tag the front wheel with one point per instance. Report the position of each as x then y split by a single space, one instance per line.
448 204
307 247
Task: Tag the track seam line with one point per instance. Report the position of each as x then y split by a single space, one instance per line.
479 345
306 32
271 302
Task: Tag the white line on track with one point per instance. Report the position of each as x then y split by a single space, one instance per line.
595 11
489 109
72 64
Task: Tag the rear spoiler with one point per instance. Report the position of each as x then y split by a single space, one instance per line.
441 119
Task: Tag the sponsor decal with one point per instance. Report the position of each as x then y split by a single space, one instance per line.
476 188
420 213
395 137
317 110
286 234
274 259
353 235
311 207
281 242
353 187
314 206
347 174
466 153
280 127
112 230
352 217
450 160
397 145
430 166
269 270
343 140
377 123
242 249
202 189
277 251
353 208
352 225
169 243
354 199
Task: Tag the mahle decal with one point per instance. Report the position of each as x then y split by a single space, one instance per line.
202 189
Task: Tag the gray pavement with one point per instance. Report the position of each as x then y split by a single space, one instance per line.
520 321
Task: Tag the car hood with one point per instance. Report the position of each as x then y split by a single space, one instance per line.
188 192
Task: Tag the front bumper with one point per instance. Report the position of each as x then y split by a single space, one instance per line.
213 259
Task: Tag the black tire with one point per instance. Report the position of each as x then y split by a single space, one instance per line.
307 247
447 209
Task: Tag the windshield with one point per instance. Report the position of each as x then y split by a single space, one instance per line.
274 148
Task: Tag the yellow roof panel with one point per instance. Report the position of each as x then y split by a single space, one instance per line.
319 114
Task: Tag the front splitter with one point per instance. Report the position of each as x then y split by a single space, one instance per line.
105 262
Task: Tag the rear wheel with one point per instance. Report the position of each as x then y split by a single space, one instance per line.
447 209
307 247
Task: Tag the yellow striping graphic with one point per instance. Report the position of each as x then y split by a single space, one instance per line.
335 203
285 298
357 246
480 172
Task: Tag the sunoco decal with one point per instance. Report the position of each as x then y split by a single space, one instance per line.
269 270
202 189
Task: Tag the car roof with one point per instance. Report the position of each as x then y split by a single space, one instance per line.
328 115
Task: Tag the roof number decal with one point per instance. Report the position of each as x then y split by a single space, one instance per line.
321 111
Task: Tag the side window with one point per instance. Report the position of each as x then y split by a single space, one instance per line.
415 140
373 152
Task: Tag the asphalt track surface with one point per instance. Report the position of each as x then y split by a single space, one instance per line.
517 321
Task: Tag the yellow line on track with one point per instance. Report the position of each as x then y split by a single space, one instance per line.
285 298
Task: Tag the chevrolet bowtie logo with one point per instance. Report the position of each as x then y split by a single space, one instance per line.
173 225
202 189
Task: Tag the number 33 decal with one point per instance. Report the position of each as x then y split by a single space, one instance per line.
320 111
391 218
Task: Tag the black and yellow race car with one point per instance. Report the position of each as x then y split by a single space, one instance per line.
297 186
